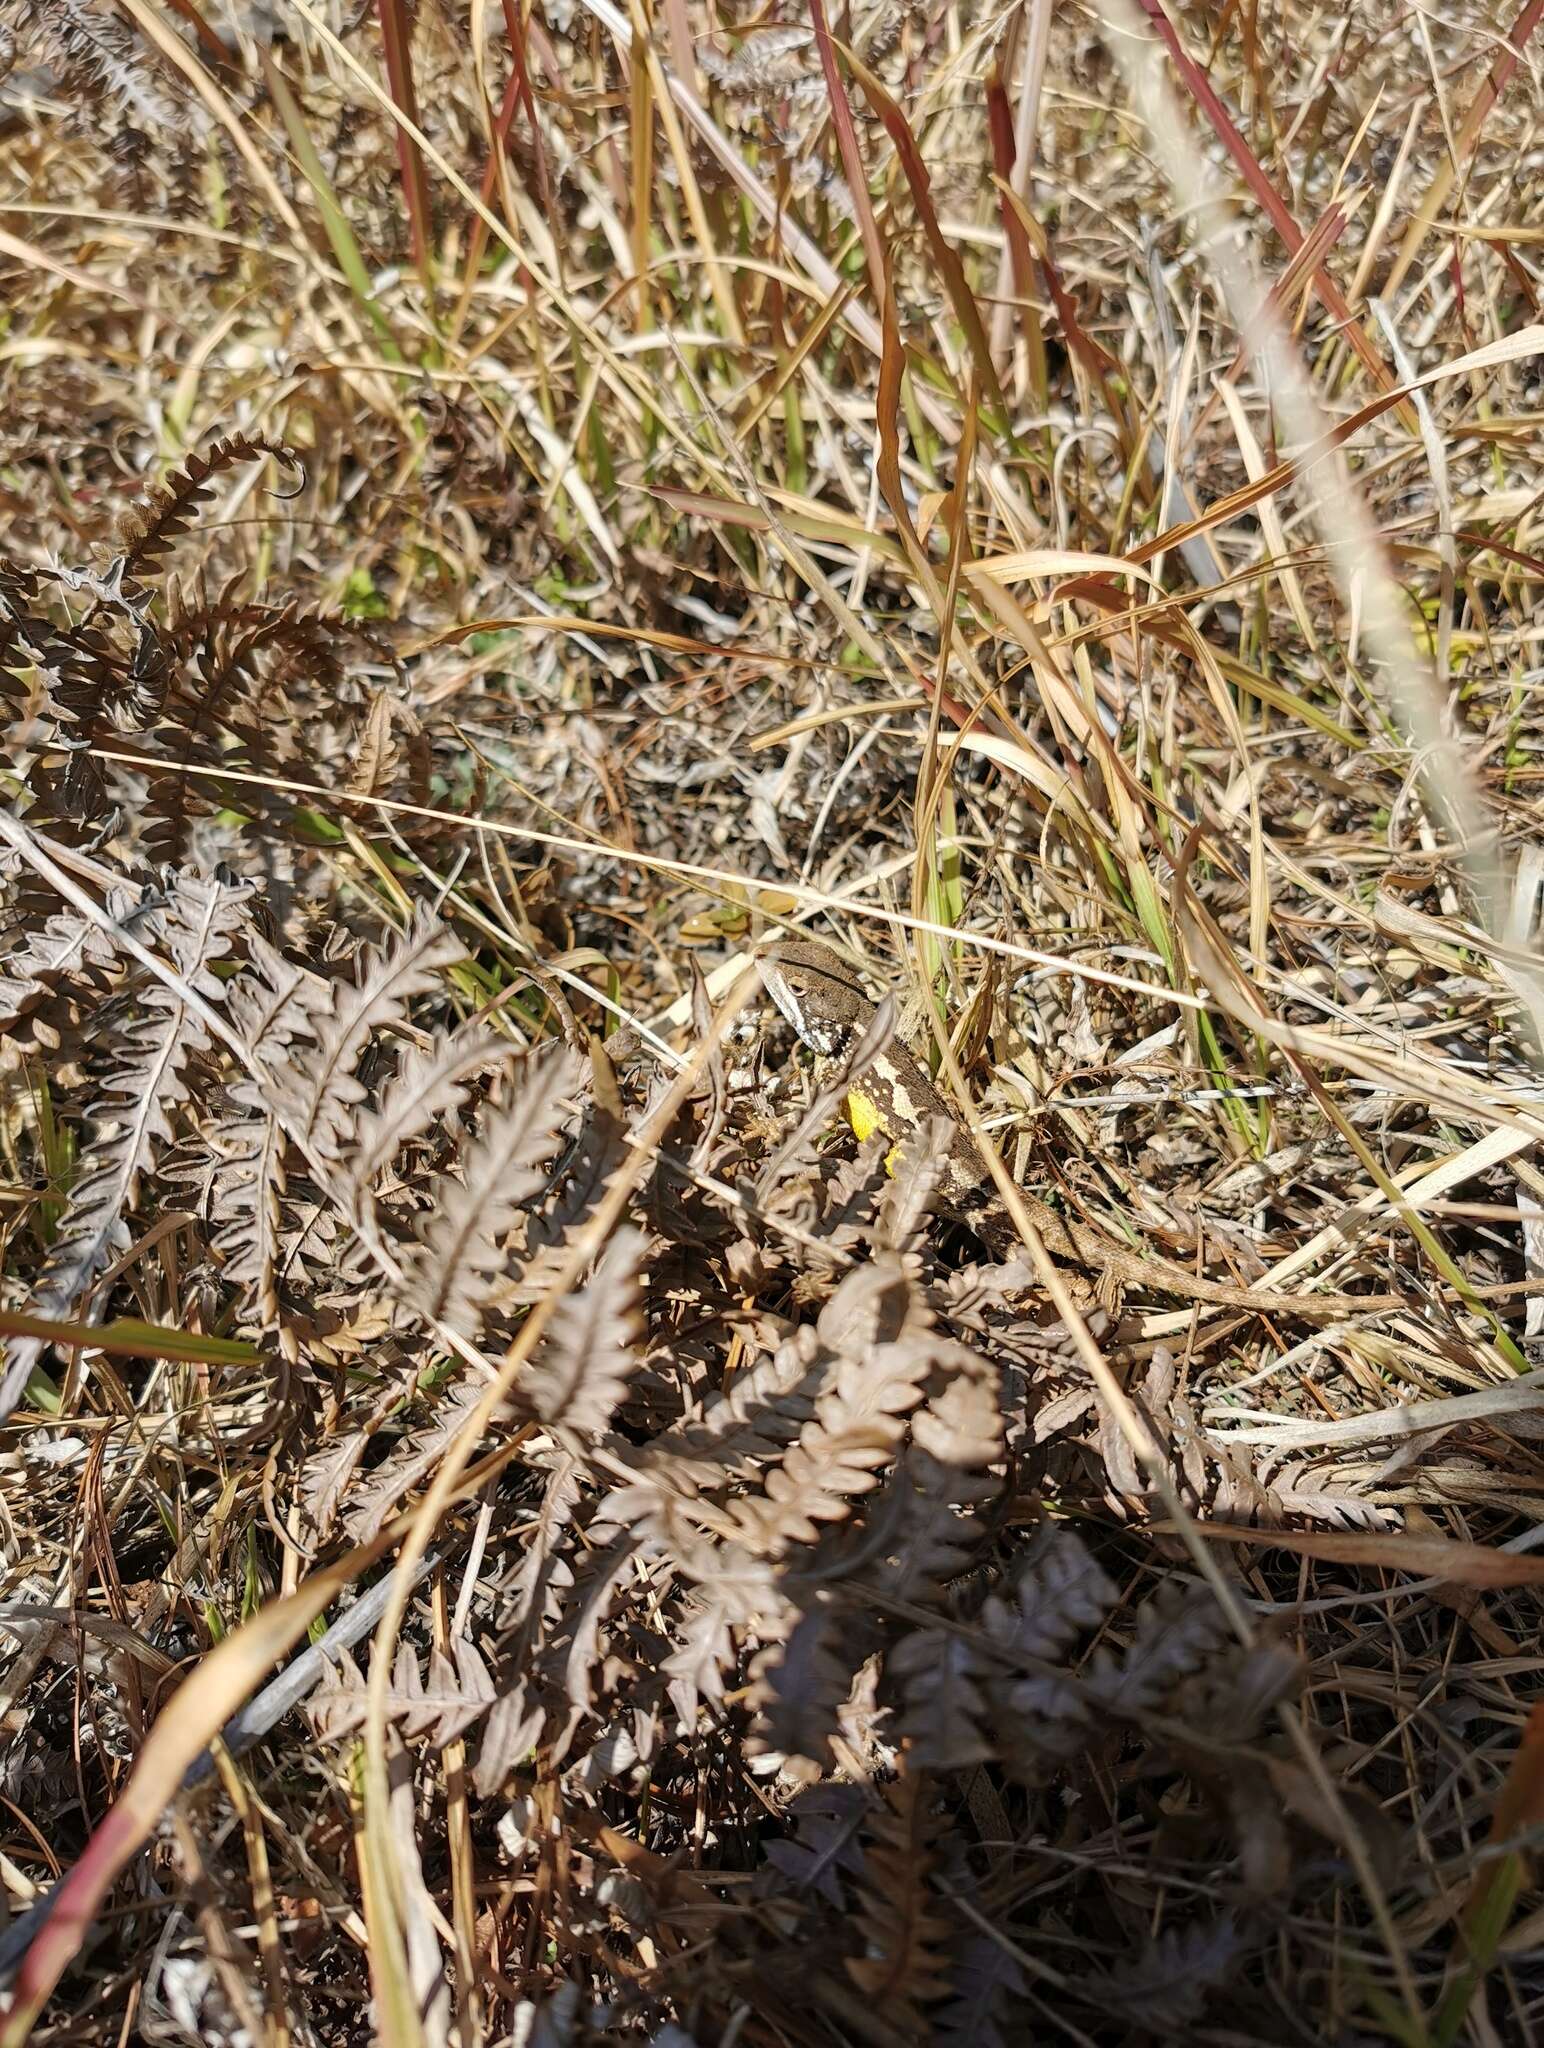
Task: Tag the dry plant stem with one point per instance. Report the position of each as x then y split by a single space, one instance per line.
624 378
1111 1391
1355 551
1449 171
44 1950
177 52
1036 33
1183 1523
1355 548
811 261
809 897
586 1246
38 259
1411 1073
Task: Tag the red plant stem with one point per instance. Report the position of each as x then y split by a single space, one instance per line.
520 74
396 33
1205 96
1000 124
852 158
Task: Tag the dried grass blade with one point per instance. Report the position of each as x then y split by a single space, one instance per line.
1204 93
899 130
851 155
1498 1882
397 34
183 1728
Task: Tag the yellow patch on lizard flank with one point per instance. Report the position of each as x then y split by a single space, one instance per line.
866 1117
864 1114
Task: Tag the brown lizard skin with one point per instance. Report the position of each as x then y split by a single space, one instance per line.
823 999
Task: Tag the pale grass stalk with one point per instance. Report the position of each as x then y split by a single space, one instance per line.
1352 542
1355 555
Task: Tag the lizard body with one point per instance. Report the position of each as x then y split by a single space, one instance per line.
825 1002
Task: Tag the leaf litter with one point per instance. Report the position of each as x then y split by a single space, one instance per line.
454 581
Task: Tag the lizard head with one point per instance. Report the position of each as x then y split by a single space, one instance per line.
816 990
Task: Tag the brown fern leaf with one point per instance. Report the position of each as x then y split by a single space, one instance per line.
759 1415
539 1589
275 1006
1164 1990
579 1658
945 1717
1040 1715
825 1844
462 1243
430 1083
578 1376
798 1685
376 1500
459 1688
317 1091
325 1478
986 1984
536 1588
932 1525
174 505
876 1332
131 1119
1060 1591
99 60
275 1003
1180 1630
247 1209
46 955
905 1964
914 1189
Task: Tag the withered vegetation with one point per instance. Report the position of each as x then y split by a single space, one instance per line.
508 507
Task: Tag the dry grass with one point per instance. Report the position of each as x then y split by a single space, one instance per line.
1047 499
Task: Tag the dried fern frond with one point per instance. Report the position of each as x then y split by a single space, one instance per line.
825 1845
760 1414
430 1083
931 1520
985 1981
945 1719
44 955
98 55
1164 1990
905 1935
275 1003
877 1336
914 1189
588 1355
150 533
453 1270
317 1091
157 1038
457 1690
381 1492
1060 1591
799 1685
246 1206
1179 1631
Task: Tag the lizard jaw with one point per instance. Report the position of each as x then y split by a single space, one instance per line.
819 1037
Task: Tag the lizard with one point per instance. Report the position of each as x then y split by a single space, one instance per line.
824 1000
